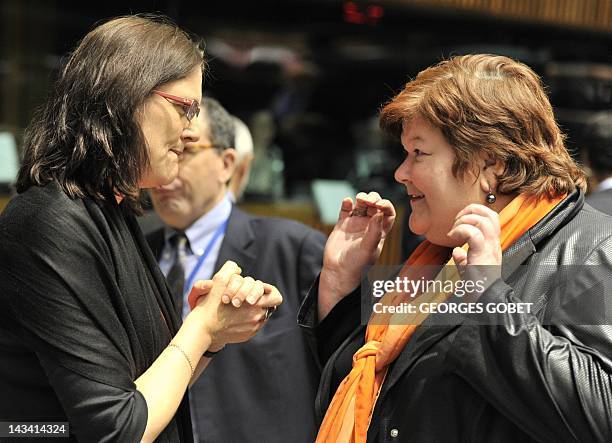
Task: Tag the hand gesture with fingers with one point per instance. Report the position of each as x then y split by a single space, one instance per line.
357 238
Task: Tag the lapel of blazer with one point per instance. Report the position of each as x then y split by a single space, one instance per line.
238 243
150 257
156 242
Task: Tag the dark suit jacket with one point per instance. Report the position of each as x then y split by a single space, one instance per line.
263 390
545 376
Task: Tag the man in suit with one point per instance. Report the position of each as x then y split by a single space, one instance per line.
263 390
598 144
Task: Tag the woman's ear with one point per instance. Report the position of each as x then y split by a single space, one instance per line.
492 168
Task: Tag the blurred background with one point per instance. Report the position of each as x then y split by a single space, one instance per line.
308 76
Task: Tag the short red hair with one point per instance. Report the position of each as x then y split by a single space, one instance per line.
496 105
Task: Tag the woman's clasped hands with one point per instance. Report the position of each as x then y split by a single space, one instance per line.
232 308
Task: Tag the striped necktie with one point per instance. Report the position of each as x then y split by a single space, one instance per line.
176 274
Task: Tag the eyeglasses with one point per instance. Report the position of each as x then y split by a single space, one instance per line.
190 106
190 151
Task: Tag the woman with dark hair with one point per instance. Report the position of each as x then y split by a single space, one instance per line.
88 332
501 204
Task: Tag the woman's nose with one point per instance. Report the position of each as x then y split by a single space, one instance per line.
402 173
191 132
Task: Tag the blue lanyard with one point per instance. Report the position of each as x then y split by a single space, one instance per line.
220 230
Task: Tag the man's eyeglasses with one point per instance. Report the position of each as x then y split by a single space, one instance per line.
190 106
192 150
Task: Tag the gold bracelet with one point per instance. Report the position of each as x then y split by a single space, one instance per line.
186 356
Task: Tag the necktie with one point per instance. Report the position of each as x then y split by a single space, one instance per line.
176 275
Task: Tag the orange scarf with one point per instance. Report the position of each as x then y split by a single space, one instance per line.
348 416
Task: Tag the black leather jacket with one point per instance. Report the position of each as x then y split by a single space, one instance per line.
544 376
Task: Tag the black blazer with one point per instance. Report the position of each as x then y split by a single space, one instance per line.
536 377
263 390
84 311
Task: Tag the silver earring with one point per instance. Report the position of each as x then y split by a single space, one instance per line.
491 198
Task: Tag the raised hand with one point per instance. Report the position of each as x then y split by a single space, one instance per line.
478 226
355 242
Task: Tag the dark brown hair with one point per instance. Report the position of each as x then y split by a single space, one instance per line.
494 105
86 136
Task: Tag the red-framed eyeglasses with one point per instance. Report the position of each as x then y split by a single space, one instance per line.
191 107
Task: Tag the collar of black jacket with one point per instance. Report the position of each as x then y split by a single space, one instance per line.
528 243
